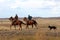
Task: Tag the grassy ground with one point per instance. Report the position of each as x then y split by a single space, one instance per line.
42 33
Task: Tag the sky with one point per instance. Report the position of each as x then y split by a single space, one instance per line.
35 8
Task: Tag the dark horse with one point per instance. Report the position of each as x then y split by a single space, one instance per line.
52 27
15 22
30 22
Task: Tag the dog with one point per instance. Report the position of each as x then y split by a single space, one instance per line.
52 27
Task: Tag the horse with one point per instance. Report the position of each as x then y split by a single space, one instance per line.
30 22
15 23
52 27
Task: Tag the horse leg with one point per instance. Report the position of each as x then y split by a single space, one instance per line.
26 26
20 27
32 25
36 26
15 27
10 27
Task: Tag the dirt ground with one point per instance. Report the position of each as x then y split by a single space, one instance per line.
42 33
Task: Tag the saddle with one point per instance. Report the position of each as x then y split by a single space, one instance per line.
16 21
30 21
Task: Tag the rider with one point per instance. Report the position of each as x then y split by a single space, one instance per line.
29 17
16 17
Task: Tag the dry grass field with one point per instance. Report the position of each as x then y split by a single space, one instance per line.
42 33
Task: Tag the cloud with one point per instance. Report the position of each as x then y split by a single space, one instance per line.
37 4
2 1
32 4
29 3
38 7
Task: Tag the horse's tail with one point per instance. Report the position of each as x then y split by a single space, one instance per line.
23 23
35 22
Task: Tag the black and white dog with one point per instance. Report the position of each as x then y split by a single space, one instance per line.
52 27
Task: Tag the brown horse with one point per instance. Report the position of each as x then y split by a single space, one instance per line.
15 23
30 22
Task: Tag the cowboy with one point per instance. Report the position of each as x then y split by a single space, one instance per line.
29 17
16 17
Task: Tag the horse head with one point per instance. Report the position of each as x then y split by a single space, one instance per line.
11 18
25 19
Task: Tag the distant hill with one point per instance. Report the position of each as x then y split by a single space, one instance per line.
35 18
53 17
